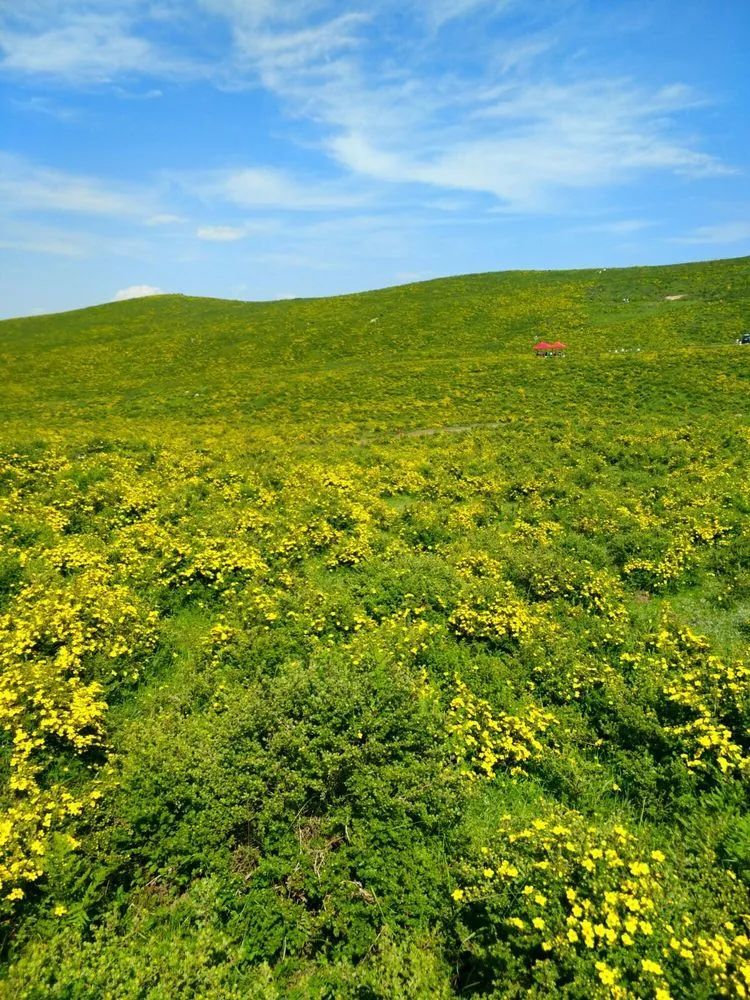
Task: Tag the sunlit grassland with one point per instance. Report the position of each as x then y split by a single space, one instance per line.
350 650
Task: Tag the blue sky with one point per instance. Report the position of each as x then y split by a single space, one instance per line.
259 149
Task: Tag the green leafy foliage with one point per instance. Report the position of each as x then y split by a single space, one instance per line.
347 649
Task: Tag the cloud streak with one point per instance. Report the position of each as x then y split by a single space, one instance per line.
266 188
496 124
25 186
722 233
86 43
221 234
501 128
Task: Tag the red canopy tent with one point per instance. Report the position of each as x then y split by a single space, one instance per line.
557 346
542 347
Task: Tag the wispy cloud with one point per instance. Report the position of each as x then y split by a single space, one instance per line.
497 125
721 233
84 43
221 234
27 187
55 245
165 219
438 13
534 141
29 236
49 108
263 187
618 227
136 292
491 119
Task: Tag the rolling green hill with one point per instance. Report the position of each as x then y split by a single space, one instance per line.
387 358
349 650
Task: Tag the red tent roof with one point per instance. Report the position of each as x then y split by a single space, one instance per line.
542 346
557 346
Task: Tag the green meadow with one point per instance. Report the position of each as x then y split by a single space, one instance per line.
350 650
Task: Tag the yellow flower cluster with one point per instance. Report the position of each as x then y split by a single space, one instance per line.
726 958
484 742
402 637
570 681
576 892
596 590
213 562
713 695
680 554
542 534
59 645
504 620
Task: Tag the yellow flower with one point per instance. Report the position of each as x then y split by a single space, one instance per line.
639 868
608 976
458 894
648 966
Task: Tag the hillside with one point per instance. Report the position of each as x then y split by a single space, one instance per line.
349 650
385 356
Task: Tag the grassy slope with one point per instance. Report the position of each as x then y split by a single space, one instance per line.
282 812
451 348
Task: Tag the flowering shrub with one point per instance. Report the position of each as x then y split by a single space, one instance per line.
710 695
484 742
501 620
564 903
59 650
294 605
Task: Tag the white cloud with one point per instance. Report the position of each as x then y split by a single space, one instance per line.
499 124
165 219
90 47
82 44
49 108
723 232
28 187
262 187
440 12
32 236
56 246
136 292
276 39
618 227
221 234
533 141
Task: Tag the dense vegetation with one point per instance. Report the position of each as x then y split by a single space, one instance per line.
348 650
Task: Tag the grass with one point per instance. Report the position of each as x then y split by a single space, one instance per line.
314 612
